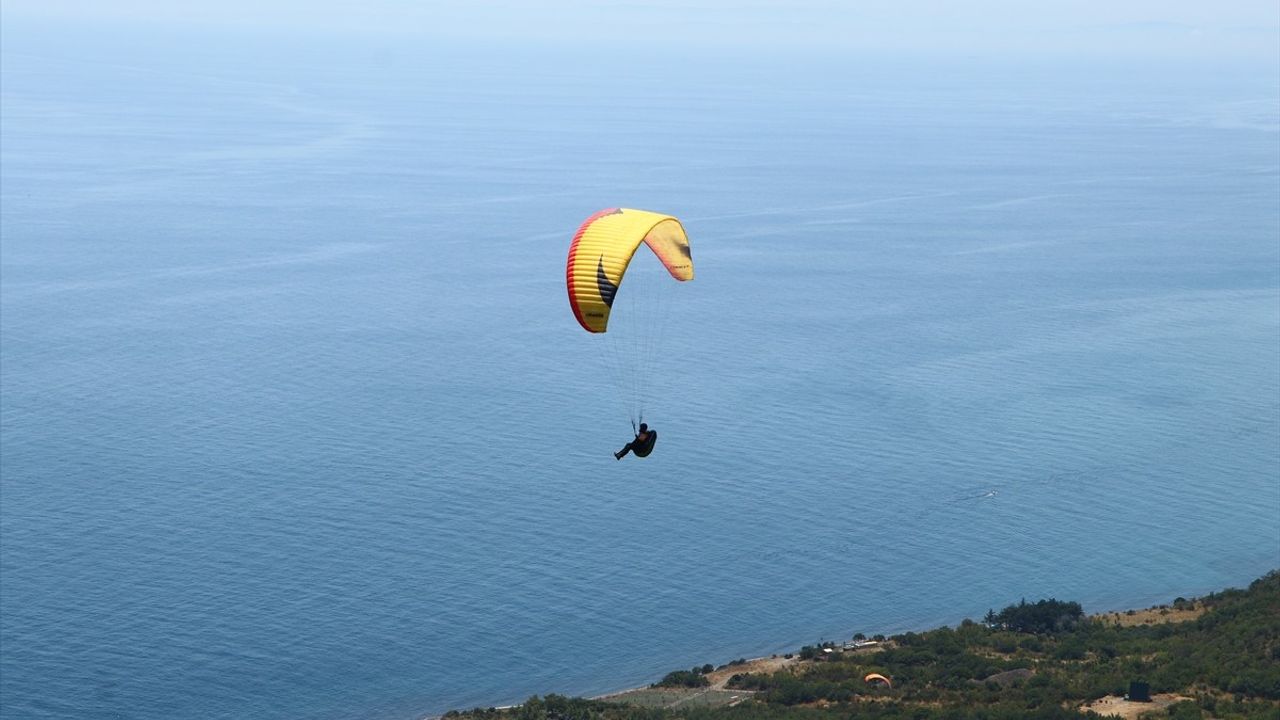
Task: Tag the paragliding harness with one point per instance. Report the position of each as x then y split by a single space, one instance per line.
641 448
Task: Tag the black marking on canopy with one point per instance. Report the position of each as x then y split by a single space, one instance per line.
687 252
607 289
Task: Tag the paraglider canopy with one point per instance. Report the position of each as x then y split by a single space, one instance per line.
603 248
877 677
622 296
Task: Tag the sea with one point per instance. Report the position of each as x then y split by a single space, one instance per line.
298 423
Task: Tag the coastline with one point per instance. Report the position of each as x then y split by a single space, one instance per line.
1149 614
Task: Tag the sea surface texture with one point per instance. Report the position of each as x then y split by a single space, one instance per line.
298 423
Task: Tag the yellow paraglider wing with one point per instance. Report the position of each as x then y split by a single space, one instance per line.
602 249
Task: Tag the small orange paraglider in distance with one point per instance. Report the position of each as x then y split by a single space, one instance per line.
877 677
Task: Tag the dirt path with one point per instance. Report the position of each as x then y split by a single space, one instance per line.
1119 707
1152 616
765 666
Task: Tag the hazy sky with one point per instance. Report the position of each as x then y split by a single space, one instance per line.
1230 29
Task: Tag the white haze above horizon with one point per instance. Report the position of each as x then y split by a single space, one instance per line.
1159 31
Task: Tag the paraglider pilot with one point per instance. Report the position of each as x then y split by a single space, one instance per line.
642 445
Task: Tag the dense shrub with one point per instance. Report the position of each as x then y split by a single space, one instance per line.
683 678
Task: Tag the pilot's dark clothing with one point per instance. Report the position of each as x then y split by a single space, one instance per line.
641 448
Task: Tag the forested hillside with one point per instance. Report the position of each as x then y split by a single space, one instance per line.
1044 659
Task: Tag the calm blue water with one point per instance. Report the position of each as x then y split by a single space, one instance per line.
297 422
